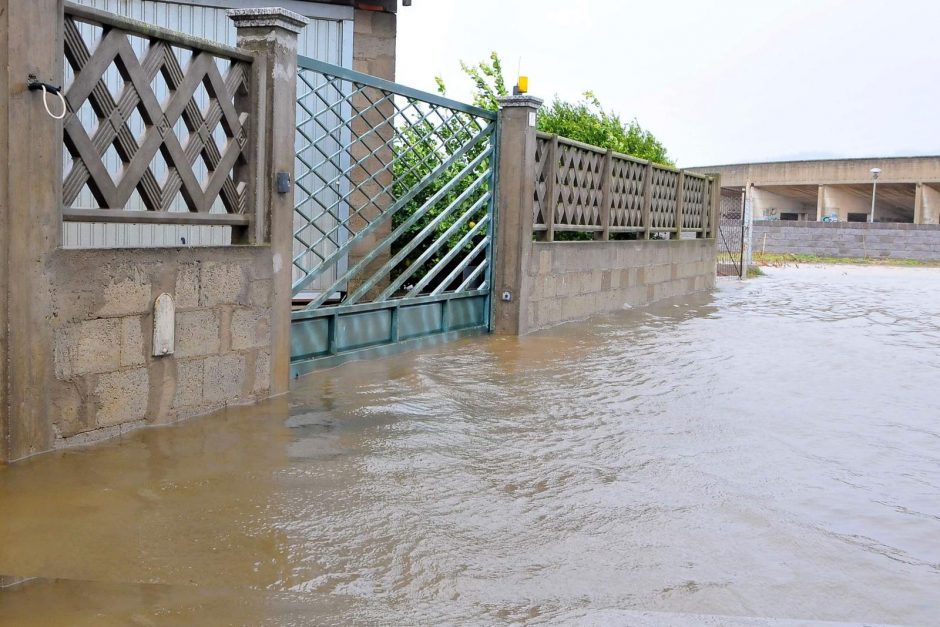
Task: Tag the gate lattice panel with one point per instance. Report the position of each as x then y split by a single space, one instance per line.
393 215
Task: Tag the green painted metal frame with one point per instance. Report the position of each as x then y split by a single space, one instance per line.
442 293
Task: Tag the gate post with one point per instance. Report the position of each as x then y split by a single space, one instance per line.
271 33
514 211
30 220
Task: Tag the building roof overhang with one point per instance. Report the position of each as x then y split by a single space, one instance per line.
387 6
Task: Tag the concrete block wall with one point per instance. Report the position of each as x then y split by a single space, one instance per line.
106 380
375 35
374 48
568 281
848 239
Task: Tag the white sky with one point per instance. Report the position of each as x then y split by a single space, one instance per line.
717 81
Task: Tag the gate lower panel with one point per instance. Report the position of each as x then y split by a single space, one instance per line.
326 337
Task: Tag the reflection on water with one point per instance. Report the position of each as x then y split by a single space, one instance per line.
769 451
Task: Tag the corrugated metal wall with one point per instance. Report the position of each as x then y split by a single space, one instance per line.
328 40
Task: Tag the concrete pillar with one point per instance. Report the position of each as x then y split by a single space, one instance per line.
271 33
514 207
820 203
930 212
30 220
919 204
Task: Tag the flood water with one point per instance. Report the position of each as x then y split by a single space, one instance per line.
766 454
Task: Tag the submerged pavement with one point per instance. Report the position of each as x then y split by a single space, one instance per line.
764 455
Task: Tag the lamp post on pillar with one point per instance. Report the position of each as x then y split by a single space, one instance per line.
874 188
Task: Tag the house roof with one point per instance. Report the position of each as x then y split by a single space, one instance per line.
388 6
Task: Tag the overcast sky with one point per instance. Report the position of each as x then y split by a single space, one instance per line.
718 81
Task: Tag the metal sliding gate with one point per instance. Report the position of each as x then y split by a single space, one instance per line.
393 224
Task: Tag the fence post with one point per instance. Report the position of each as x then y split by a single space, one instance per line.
606 174
706 210
514 211
680 200
647 199
551 160
30 220
271 33
715 197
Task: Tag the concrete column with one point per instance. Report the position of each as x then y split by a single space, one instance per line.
271 33
30 220
820 203
514 211
930 212
919 204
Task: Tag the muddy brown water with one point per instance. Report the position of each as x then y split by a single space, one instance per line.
766 454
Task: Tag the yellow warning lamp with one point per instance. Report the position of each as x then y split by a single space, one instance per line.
522 87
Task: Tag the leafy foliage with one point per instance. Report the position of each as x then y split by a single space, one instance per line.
488 80
587 121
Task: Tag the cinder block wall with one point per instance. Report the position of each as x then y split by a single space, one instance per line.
574 280
375 35
106 380
848 239
374 47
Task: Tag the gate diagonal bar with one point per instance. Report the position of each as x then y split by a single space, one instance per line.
394 197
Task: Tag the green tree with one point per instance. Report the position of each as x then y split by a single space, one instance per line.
489 83
585 120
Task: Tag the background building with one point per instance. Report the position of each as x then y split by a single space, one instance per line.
908 189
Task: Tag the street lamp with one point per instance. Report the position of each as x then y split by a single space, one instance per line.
874 188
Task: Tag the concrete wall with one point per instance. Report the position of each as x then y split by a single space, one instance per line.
106 379
574 280
848 239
